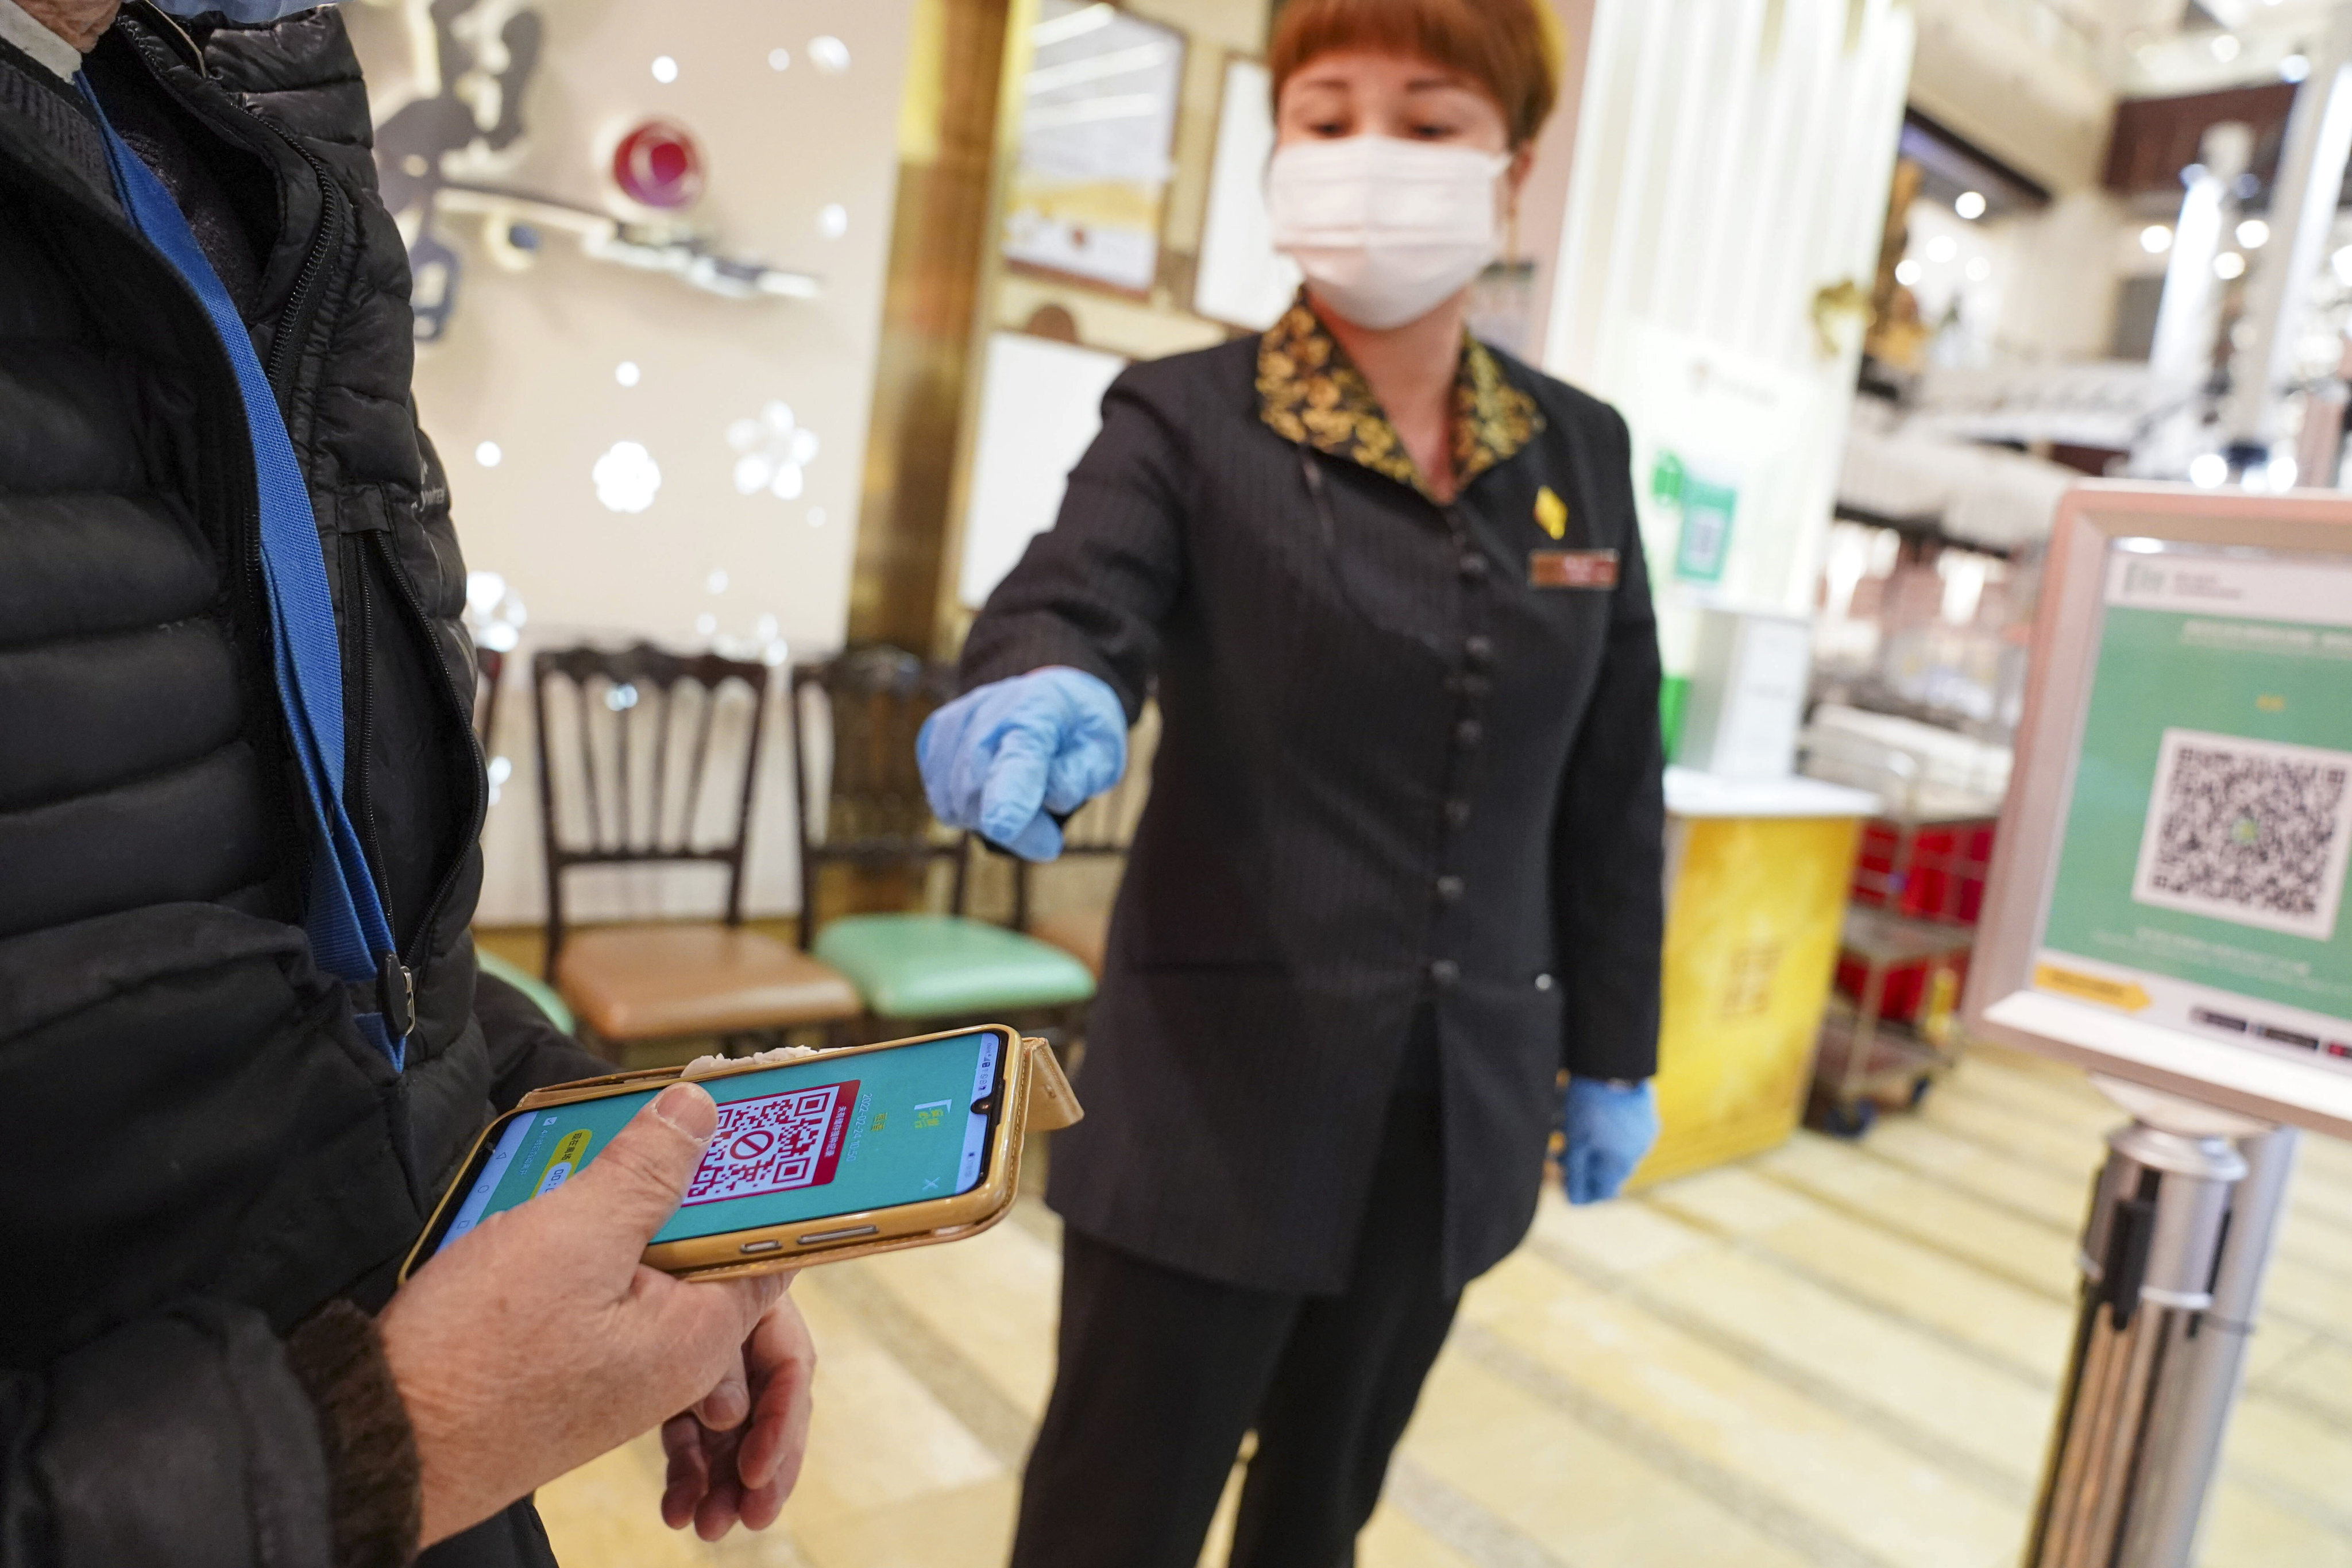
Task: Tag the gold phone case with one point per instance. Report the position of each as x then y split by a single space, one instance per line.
1039 1098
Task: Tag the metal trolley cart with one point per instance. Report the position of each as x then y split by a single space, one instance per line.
1918 886
1871 1055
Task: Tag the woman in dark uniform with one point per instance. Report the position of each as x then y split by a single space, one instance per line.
1401 867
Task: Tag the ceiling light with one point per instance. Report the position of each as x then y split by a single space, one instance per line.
829 55
1908 271
1969 205
2156 239
1979 269
665 68
2294 68
2208 470
832 220
2225 47
625 373
2229 265
1942 249
490 455
779 59
2253 233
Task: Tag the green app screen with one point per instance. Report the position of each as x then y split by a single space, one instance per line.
805 1140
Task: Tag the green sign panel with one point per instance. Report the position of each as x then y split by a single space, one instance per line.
1707 502
2201 867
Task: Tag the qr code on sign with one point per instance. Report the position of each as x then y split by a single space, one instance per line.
775 1143
2251 832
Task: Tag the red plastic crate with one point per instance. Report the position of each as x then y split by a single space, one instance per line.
1905 992
1945 866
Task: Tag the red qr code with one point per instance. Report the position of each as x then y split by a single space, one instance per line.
775 1143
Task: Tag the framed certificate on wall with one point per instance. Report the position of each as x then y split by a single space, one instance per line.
2166 902
1097 134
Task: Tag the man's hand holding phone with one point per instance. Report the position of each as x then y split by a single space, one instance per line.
538 1342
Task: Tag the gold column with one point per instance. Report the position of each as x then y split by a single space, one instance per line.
940 241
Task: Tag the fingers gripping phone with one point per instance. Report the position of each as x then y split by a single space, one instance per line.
834 1155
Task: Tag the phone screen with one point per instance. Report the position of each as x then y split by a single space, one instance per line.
805 1140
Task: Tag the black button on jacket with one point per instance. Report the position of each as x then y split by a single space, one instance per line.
1323 767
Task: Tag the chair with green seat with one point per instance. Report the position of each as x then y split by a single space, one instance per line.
855 718
542 996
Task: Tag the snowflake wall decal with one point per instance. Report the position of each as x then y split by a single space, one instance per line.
773 452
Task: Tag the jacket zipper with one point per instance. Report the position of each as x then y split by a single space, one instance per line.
295 327
421 945
299 305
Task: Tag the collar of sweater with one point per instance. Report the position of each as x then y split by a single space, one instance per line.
17 25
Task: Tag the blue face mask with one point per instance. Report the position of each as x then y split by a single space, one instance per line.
245 13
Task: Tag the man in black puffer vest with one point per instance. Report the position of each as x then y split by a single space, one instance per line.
209 1175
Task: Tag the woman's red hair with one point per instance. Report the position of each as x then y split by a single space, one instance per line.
1510 49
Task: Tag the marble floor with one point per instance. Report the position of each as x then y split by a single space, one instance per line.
1834 1354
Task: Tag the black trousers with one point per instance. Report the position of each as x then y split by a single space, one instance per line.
1162 1373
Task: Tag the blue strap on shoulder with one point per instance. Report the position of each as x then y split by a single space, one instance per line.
351 936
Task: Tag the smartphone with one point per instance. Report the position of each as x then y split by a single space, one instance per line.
913 1138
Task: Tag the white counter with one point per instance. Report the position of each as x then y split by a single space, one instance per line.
1696 794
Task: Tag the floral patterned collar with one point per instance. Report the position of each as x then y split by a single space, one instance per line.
1308 391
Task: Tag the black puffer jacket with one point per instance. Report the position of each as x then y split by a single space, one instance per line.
198 1152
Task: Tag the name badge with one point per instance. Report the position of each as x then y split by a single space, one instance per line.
1571 569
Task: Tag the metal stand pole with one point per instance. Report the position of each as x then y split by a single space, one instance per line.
2180 1231
2168 1528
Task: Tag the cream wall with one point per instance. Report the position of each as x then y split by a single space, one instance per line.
530 357
2022 79
2066 263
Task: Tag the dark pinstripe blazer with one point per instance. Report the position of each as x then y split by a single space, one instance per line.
1392 772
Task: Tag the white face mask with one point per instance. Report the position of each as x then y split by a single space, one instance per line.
1386 230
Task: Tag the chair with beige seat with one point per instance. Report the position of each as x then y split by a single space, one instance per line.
654 762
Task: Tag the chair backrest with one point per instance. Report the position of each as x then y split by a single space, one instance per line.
491 668
855 718
624 765
1105 826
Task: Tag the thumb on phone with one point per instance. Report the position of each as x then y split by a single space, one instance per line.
635 1185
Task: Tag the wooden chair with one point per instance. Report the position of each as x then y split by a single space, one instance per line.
639 764
1077 920
491 668
855 719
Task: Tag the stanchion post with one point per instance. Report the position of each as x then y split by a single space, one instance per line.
2180 1232
2168 1527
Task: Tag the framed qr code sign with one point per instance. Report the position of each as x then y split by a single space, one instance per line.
2166 902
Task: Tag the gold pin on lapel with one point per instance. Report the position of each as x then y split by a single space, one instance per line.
1551 512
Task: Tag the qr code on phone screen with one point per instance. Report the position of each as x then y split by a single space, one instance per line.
2252 832
774 1143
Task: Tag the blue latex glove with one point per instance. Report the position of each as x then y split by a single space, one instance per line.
1010 757
1609 1127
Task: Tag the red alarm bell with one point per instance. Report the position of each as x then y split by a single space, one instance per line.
658 164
